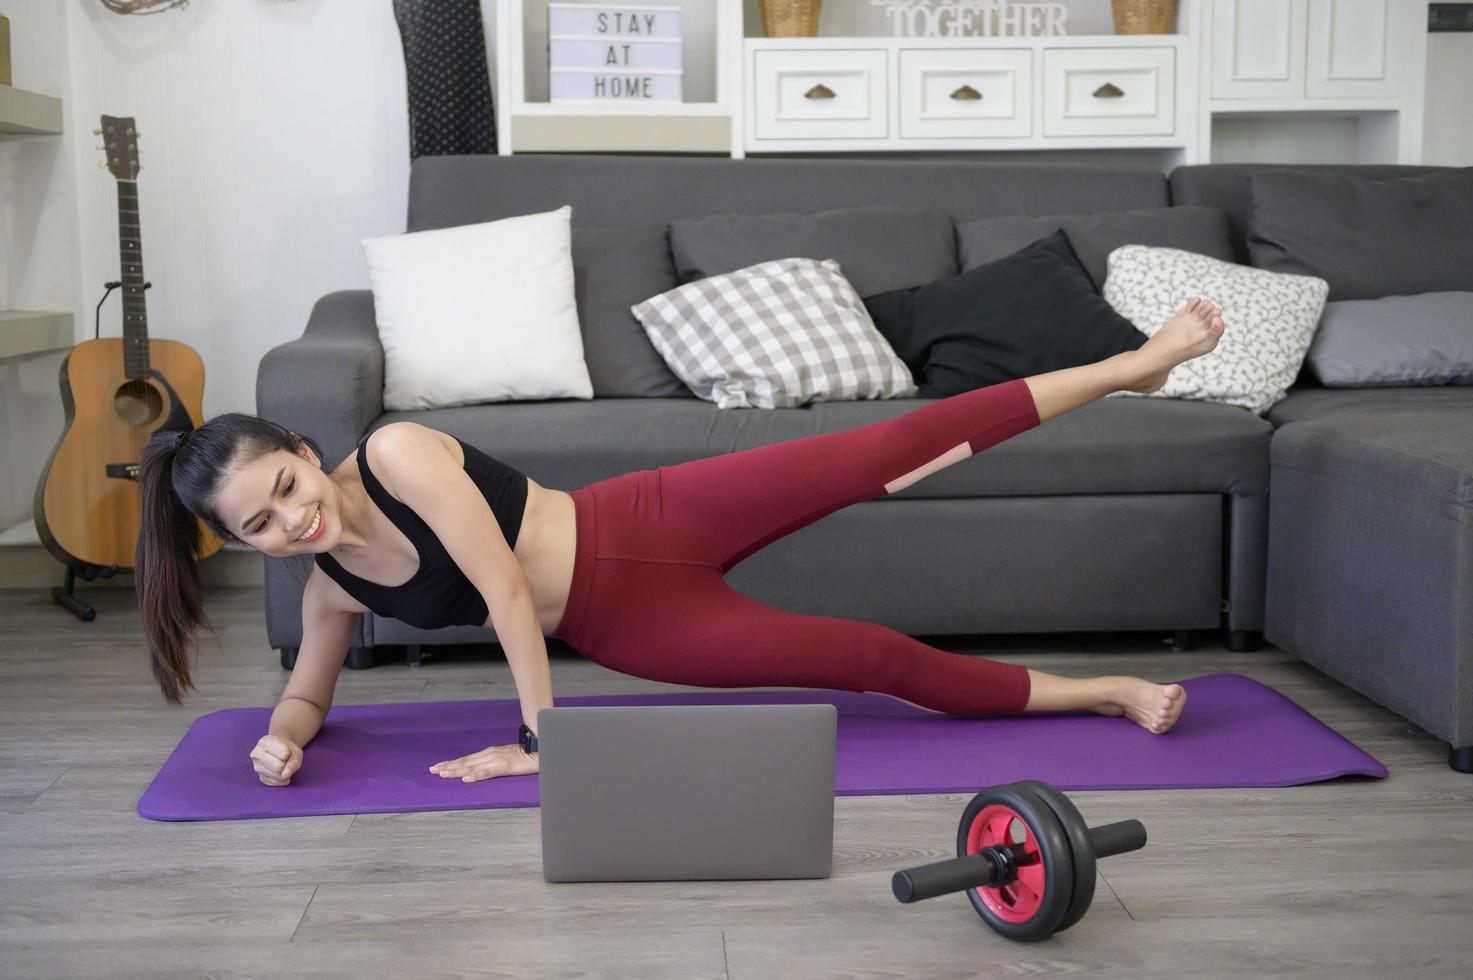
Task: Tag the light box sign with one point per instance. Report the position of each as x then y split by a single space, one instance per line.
599 52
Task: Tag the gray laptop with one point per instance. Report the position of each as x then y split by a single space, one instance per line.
687 792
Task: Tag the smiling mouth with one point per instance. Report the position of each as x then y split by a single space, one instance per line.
314 530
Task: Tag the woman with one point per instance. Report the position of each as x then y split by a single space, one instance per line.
628 571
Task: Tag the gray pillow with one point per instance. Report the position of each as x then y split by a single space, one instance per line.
1395 340
1366 237
878 248
1094 236
614 268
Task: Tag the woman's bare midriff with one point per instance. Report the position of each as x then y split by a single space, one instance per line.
546 546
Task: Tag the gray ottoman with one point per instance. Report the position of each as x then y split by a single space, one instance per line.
1370 557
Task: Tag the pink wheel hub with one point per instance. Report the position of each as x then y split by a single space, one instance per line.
1018 900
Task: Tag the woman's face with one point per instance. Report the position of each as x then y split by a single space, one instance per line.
273 501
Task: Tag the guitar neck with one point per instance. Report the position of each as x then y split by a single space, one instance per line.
135 312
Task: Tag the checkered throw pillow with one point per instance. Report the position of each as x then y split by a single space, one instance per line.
774 335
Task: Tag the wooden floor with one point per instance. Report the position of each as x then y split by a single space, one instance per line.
1356 877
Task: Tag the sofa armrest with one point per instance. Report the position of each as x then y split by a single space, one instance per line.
329 383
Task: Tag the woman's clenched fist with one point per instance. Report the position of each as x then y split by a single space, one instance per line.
276 759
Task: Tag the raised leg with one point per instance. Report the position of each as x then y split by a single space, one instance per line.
722 509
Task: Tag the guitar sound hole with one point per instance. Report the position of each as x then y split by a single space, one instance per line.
138 403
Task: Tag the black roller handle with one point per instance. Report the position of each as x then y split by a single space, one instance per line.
1117 838
988 868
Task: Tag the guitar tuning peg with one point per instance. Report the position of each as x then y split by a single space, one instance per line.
97 132
101 164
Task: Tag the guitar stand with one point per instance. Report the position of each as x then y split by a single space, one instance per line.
66 595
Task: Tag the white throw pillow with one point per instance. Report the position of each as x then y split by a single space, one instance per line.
1270 316
774 335
478 313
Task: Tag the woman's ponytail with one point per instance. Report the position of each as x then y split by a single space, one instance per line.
180 476
165 574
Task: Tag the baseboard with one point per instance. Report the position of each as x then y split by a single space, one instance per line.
32 566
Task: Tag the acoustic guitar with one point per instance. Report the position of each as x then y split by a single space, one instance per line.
117 393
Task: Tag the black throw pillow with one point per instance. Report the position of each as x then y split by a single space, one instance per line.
1027 313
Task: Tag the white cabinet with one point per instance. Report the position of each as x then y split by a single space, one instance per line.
1036 93
819 94
1310 49
965 94
1109 91
1357 48
1258 49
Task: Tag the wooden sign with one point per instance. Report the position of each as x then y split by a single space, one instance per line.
974 18
613 52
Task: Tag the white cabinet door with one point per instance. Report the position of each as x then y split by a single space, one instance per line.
1109 91
812 95
965 94
1357 48
1258 49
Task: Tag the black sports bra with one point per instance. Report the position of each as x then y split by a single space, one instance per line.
438 594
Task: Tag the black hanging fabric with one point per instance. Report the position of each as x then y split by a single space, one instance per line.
450 107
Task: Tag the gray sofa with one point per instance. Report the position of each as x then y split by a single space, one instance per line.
1126 514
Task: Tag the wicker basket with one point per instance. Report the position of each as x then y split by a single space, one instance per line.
790 18
1144 16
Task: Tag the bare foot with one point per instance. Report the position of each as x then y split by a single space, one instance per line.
1194 330
1155 707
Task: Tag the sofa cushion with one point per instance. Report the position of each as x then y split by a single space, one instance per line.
478 313
614 268
1395 341
1031 312
1110 446
879 248
1225 185
1304 404
1270 319
1095 236
1401 441
776 334
1365 237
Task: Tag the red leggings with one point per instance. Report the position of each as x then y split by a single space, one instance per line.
648 596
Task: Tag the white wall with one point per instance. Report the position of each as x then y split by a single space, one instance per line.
1448 127
274 138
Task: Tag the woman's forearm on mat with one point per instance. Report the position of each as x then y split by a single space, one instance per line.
520 635
296 720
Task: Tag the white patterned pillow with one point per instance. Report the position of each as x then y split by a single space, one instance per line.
774 335
1271 318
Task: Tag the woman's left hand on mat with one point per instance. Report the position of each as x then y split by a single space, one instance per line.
490 762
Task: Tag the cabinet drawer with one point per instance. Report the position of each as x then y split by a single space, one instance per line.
1109 92
810 95
965 94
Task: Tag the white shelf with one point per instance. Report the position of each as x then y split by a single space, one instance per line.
628 109
32 331
24 113
526 126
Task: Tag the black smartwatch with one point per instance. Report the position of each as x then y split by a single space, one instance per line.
529 741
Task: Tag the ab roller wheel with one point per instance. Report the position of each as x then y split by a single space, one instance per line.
1025 858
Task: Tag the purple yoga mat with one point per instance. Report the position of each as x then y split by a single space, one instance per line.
375 758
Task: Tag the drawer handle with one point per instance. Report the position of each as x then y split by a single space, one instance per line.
966 94
819 91
1109 90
